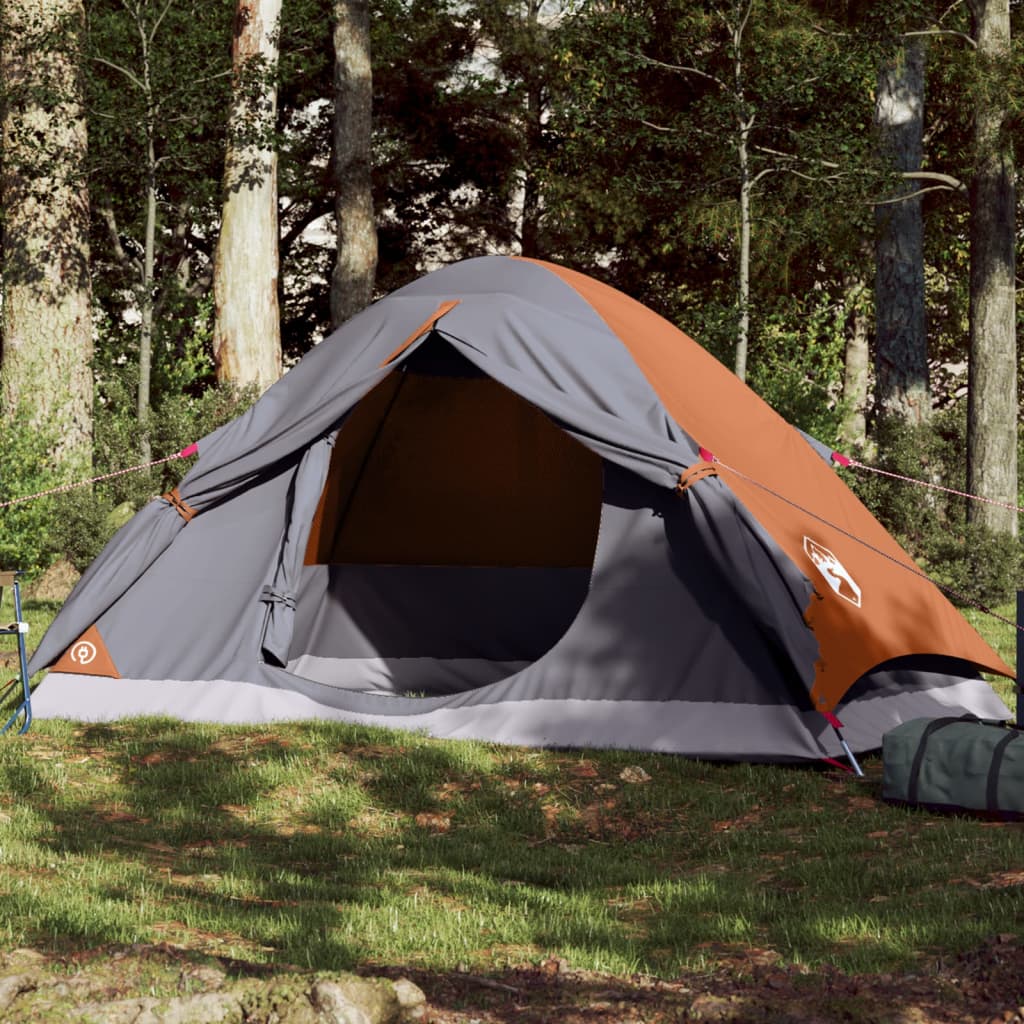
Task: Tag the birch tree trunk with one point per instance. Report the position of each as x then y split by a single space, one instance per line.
992 367
46 373
744 126
533 126
355 266
247 325
901 349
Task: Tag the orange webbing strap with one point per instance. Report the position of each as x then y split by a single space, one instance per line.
445 307
187 512
698 471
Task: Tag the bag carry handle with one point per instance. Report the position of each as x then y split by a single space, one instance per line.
915 768
992 785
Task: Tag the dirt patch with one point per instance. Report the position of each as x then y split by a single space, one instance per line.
984 986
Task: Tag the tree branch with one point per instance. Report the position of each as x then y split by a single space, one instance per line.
943 32
681 69
911 195
944 180
794 156
137 82
129 263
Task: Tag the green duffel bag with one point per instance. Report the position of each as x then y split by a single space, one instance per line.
955 764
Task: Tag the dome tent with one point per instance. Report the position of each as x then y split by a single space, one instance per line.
508 502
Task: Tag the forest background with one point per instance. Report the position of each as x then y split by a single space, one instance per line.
195 192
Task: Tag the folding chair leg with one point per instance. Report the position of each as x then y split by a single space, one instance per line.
19 628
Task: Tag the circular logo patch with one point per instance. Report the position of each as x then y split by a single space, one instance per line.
83 652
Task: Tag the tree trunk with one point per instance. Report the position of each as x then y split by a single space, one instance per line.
355 265
533 127
247 327
856 363
743 291
146 297
745 121
992 367
901 340
46 374
533 208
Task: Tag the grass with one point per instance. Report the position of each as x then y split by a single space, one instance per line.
329 846
326 846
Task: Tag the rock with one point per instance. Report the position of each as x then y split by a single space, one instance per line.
213 1008
334 1007
202 976
411 1000
22 958
383 1002
119 515
289 999
12 986
55 583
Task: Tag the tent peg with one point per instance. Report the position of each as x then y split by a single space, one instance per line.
837 728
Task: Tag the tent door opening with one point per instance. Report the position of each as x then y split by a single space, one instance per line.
454 539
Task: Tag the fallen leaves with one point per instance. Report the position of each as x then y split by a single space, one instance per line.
435 823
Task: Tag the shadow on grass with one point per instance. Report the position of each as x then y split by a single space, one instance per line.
334 846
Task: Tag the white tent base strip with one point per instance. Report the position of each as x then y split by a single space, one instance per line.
707 730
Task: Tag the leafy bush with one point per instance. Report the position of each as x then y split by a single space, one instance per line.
795 362
77 524
85 520
25 468
977 566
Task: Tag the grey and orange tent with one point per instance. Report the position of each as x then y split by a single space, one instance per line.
508 502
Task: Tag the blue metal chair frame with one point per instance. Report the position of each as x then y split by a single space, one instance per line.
18 628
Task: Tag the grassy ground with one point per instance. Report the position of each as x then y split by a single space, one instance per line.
326 846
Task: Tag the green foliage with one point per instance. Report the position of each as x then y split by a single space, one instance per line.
83 522
75 525
157 117
797 362
976 566
25 468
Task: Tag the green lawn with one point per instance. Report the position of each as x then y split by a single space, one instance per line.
329 846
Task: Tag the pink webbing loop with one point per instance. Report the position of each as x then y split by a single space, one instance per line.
831 719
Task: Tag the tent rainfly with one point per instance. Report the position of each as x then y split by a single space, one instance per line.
507 502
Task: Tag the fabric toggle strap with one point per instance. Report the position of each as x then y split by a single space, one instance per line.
272 596
186 511
695 473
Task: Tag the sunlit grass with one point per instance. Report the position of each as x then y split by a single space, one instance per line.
326 846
